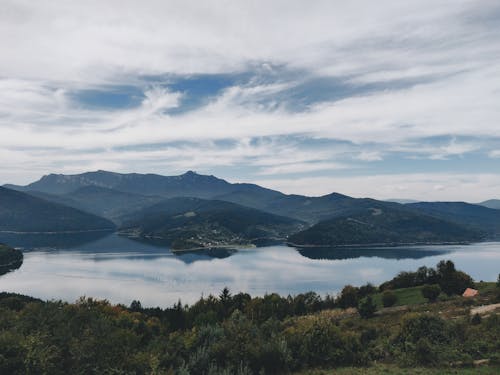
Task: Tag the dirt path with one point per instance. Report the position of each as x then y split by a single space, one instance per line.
484 309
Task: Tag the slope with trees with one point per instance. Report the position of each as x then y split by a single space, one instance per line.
21 212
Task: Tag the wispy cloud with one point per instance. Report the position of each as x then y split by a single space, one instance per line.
251 90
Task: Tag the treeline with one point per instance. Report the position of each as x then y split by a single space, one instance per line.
445 275
228 334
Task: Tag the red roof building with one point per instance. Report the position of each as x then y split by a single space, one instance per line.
469 292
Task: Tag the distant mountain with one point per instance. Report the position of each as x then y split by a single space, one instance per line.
21 212
188 184
72 190
108 203
383 225
309 209
115 196
187 223
492 203
466 214
402 201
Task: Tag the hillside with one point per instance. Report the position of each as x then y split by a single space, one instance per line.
10 259
115 196
73 190
383 225
108 203
21 212
466 214
187 223
491 203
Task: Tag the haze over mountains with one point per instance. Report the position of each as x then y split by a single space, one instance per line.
194 210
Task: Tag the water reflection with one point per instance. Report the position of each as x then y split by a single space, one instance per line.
337 253
122 270
51 241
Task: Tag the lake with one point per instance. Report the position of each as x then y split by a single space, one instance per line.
121 270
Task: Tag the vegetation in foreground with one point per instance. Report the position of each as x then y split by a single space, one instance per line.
237 334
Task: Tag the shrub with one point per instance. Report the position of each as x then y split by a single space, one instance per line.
349 297
367 308
476 319
431 292
389 298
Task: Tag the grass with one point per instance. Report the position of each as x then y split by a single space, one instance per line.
394 370
413 296
406 296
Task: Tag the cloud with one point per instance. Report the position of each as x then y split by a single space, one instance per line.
309 89
418 186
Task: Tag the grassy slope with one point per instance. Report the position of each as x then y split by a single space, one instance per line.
413 296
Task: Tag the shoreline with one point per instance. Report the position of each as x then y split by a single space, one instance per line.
59 232
380 244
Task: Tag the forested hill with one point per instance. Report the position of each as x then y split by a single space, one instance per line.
194 222
21 212
9 259
386 226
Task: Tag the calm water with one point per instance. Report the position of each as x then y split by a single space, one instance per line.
121 270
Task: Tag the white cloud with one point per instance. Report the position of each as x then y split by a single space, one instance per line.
50 49
419 186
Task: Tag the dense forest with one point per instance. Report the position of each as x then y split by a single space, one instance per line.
238 334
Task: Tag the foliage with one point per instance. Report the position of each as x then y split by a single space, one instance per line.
389 298
10 259
231 334
367 308
431 292
449 279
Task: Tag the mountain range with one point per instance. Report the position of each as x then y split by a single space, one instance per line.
194 210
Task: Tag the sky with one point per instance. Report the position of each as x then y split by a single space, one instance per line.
383 99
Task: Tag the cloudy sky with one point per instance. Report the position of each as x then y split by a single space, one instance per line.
387 99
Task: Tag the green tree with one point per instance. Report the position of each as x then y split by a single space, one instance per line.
367 308
389 298
431 292
349 297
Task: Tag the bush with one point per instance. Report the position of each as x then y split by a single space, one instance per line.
349 297
476 319
431 292
367 308
389 298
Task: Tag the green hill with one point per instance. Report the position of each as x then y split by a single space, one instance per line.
187 223
380 224
21 212
10 259
108 203
470 215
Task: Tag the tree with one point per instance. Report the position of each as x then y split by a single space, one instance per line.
136 306
367 308
456 283
389 298
366 290
349 297
431 292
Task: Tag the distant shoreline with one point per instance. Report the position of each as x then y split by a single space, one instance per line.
381 244
58 232
233 246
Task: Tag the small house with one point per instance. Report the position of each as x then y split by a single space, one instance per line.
469 292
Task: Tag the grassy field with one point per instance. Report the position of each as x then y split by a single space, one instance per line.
413 296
